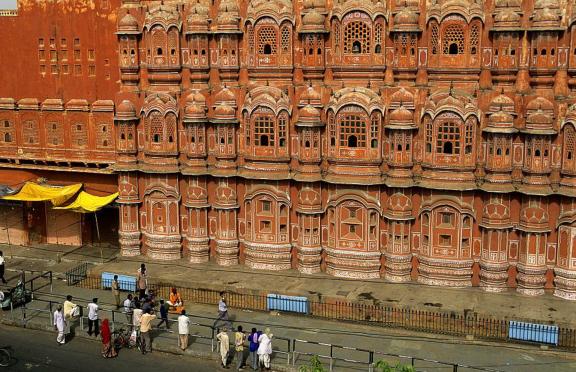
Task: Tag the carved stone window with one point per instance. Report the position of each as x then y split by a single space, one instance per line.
104 136
569 148
357 38
434 38
267 40
453 39
285 39
30 132
352 130
55 134
448 138
79 135
474 39
264 134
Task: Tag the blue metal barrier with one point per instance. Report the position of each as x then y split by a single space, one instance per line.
294 304
546 334
125 282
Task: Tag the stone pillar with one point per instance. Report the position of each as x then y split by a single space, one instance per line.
494 259
196 204
226 207
309 247
128 198
398 262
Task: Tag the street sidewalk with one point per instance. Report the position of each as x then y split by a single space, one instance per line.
180 273
502 357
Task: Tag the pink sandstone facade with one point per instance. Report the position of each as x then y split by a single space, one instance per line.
430 141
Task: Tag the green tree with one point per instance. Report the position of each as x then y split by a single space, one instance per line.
315 365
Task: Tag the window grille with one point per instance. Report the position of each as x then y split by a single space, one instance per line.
357 38
352 130
453 40
267 43
448 138
264 131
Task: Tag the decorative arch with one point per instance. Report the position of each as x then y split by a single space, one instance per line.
354 220
160 113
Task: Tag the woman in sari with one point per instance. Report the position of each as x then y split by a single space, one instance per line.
108 350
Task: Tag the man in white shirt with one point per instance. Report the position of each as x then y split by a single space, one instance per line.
129 310
265 348
136 318
222 312
93 317
183 323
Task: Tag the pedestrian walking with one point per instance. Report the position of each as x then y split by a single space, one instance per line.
60 325
145 326
183 330
142 281
222 312
265 348
164 316
147 305
71 313
239 340
224 344
253 338
129 310
108 349
116 291
93 317
2 267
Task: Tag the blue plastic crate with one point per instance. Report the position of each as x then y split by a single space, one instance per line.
126 282
293 304
546 334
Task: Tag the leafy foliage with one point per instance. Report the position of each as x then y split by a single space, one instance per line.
315 365
384 366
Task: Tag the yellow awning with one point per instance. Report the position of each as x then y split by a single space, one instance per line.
34 192
86 203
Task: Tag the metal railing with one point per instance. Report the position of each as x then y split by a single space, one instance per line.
438 322
77 274
337 356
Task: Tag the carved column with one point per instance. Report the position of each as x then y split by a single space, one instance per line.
129 232
309 211
195 223
226 235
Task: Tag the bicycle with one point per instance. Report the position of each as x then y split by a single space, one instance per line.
121 339
5 356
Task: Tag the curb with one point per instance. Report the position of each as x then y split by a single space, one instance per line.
162 347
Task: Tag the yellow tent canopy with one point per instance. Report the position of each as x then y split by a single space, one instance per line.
34 192
87 203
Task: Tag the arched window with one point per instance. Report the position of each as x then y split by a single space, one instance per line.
453 39
434 37
357 36
448 139
267 40
352 126
569 148
264 134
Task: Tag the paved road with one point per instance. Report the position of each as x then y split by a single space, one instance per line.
38 351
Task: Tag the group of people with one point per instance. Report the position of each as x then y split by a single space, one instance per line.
259 345
140 310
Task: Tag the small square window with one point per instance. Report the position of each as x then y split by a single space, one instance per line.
265 226
91 55
266 206
41 43
54 69
446 240
63 42
52 43
65 69
446 218
91 70
41 55
43 69
76 42
77 55
77 69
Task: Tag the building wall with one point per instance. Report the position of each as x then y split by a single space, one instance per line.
433 142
